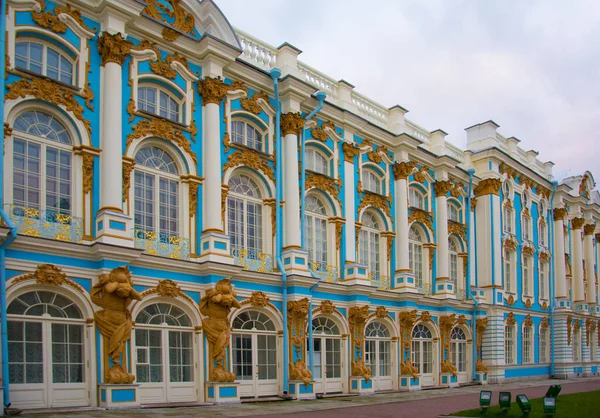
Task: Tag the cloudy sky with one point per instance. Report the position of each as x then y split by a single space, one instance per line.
533 66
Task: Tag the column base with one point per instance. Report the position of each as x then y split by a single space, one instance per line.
222 392
215 246
295 261
478 294
409 382
114 228
593 308
580 307
444 288
300 391
118 396
360 385
481 377
563 304
404 282
356 274
450 380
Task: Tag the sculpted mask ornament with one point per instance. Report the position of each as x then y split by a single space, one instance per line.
381 312
114 292
259 299
168 288
49 274
327 307
216 305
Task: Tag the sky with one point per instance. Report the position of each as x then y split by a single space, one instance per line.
532 66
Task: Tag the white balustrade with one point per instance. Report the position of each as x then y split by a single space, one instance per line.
370 110
256 52
320 81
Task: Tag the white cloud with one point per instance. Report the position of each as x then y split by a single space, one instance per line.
532 66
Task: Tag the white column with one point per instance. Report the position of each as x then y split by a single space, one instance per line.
114 49
291 123
489 248
441 222
577 260
588 243
401 173
211 141
598 262
559 253
350 151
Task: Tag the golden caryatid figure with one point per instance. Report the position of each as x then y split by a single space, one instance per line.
114 292
216 306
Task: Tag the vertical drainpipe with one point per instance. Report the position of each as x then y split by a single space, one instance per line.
275 74
552 277
320 97
469 293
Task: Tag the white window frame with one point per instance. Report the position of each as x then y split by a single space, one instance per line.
160 90
509 344
543 280
453 260
527 275
47 45
544 339
313 219
508 224
245 199
543 234
527 346
415 256
248 123
452 208
370 246
509 270
576 344
311 161
526 233
372 181
416 193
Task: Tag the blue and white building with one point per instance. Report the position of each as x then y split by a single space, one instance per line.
145 134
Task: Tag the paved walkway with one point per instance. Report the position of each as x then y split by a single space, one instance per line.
423 404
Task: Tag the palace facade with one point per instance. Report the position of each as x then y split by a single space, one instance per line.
142 163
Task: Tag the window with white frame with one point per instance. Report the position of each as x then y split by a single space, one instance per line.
368 243
371 181
527 272
453 213
415 254
245 133
156 185
507 220
577 345
42 157
43 59
506 190
509 344
458 349
159 102
542 234
525 199
508 270
316 161
527 345
593 348
316 230
416 198
544 344
543 281
526 227
244 214
453 259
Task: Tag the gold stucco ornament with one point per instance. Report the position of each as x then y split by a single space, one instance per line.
114 292
216 306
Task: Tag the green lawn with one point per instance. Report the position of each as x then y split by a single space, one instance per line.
577 405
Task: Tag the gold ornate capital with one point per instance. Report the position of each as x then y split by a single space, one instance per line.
212 90
291 123
252 105
442 187
113 48
559 214
350 151
589 229
577 223
598 238
404 169
488 186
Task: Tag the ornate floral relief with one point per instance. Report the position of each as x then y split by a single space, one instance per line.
431 251
297 318
589 328
527 182
88 172
326 307
389 243
350 151
357 317
457 189
320 134
259 299
407 322
325 183
481 325
544 323
425 316
339 224
357 228
510 319
251 104
569 327
48 20
510 300
113 48
48 91
162 129
528 322
528 304
164 69
488 186
291 123
462 320
442 187
128 165
147 45
252 159
193 193
420 216
510 172
168 288
420 174
583 186
376 200
213 90
404 169
458 229
446 324
376 155
179 19
480 367
544 305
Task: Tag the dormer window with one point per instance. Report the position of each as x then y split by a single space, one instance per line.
44 60
246 134
158 102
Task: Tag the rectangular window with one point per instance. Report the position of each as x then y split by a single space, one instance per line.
525 225
542 280
454 268
508 271
527 343
543 345
509 354
576 345
526 270
508 220
542 237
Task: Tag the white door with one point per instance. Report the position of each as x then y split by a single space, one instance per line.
47 360
254 354
458 353
164 360
378 355
422 353
327 356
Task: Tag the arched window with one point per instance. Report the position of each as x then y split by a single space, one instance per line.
377 329
156 204
378 353
39 303
43 59
416 198
42 163
527 345
415 255
508 270
253 320
158 101
422 353
506 190
371 181
509 344
163 314
316 161
368 243
316 230
458 349
453 213
453 259
244 214
246 134
323 325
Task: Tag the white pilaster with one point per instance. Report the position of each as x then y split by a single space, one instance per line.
559 259
403 278
577 263
590 261
290 192
211 144
443 284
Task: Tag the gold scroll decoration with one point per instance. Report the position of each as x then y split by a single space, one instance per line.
215 306
297 318
357 318
488 186
161 129
376 200
251 104
350 151
182 21
325 183
249 158
420 216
